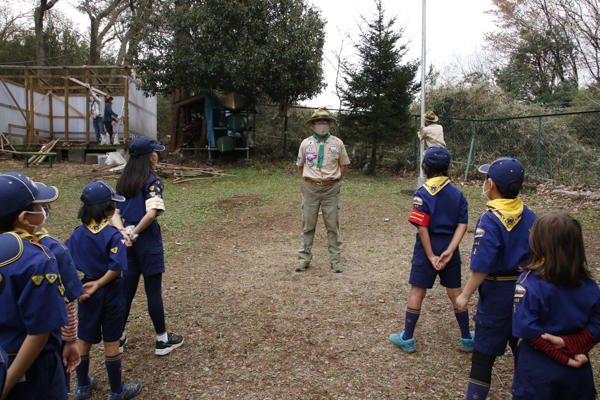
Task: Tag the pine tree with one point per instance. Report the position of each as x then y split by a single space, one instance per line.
379 88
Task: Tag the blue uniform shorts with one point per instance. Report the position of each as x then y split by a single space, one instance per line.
3 368
538 377
493 320
44 380
422 273
101 317
146 256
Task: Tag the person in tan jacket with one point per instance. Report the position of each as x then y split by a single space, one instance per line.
432 133
323 161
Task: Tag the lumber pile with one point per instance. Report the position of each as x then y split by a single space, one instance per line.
180 173
47 148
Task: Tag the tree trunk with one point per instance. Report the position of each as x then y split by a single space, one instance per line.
95 42
177 116
373 165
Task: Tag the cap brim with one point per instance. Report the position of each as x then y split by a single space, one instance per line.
46 194
158 147
117 198
484 168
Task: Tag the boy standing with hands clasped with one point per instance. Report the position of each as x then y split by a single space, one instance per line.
441 215
501 246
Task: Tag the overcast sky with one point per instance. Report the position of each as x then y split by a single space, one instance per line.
453 28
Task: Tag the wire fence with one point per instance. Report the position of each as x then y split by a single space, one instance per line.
563 147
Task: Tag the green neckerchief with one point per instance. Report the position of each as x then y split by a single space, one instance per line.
321 151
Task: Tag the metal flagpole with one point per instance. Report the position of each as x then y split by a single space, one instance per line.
421 179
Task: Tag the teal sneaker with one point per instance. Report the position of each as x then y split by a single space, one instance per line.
466 345
406 345
129 391
84 392
302 266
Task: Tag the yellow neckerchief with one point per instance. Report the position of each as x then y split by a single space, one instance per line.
25 235
434 185
508 211
96 228
42 234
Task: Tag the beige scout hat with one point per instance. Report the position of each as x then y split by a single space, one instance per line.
430 116
320 115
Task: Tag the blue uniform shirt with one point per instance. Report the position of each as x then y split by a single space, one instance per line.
108 113
150 197
33 301
439 206
542 307
97 248
66 268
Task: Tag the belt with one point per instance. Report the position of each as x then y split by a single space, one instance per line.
91 278
326 183
501 278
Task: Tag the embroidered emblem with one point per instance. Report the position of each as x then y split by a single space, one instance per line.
520 292
510 222
298 160
309 163
152 194
123 241
51 278
417 201
151 188
61 289
158 188
479 233
433 188
334 154
310 149
114 250
37 279
333 147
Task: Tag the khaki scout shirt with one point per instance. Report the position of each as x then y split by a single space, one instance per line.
433 134
334 155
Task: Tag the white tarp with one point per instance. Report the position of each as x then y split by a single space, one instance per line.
142 114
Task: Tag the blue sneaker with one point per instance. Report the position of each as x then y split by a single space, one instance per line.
84 392
129 391
406 345
466 345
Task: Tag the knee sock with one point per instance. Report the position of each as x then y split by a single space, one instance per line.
153 286
481 376
83 370
463 322
113 368
410 322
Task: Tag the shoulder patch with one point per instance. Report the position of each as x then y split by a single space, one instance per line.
520 292
417 201
114 250
51 278
479 233
37 279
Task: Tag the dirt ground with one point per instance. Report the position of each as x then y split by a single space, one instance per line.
255 329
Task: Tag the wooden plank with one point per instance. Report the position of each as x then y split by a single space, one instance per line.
43 98
77 81
15 101
66 102
71 107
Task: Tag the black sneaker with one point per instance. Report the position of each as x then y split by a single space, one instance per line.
122 343
162 348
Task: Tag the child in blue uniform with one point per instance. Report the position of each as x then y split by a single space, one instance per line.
501 246
441 216
136 217
555 295
3 355
33 306
98 250
73 290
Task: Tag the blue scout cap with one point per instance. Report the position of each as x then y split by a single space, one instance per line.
17 191
97 192
143 145
437 154
504 171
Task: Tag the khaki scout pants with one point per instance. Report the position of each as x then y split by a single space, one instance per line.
328 199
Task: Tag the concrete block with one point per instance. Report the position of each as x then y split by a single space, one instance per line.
6 156
92 158
77 156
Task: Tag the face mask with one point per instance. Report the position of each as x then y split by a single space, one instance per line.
322 130
483 191
37 228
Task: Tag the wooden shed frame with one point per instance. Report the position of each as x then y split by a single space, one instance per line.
61 83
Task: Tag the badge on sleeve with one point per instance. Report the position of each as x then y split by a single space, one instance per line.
298 160
51 278
520 292
37 279
417 201
479 233
114 250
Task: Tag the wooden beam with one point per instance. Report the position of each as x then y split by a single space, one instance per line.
15 101
66 105
43 98
126 108
71 107
77 81
41 79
